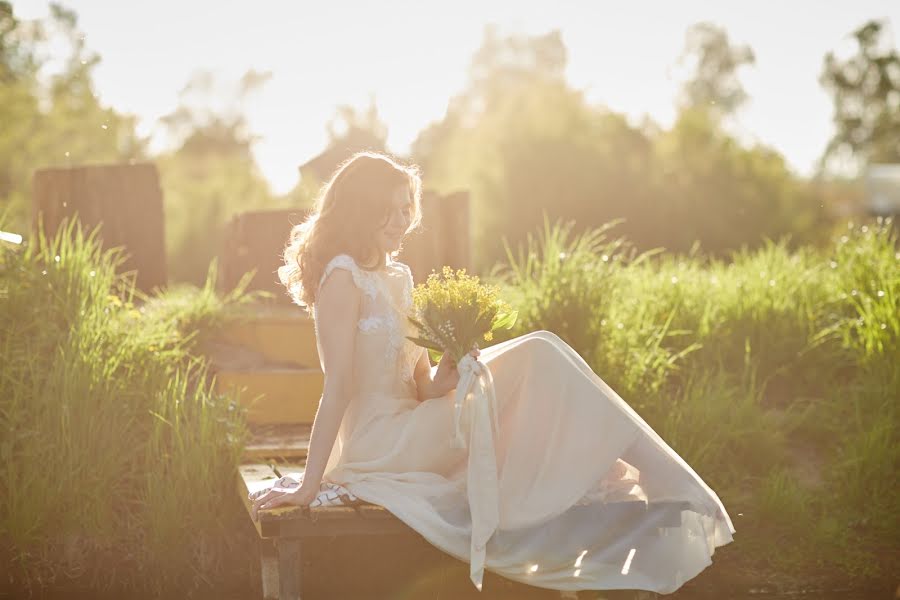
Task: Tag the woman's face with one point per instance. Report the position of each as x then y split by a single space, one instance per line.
400 216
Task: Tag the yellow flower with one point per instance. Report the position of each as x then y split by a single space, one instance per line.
453 310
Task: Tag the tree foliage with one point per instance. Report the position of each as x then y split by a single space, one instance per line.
865 89
348 121
54 120
212 174
519 137
523 141
714 84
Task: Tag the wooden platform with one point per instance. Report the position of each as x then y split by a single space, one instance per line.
270 357
357 518
278 450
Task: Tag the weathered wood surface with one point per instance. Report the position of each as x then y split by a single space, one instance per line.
296 521
256 240
125 198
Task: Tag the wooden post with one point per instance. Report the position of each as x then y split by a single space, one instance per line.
289 566
125 198
268 558
281 568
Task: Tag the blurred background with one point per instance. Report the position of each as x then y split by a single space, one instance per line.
700 198
717 124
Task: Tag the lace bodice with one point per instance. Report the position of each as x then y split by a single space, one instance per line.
387 298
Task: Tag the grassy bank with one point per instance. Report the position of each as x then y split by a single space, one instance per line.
117 453
775 374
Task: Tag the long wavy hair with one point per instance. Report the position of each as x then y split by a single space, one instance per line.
349 209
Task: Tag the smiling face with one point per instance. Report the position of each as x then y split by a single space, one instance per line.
400 216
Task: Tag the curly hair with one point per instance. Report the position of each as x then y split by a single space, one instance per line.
349 209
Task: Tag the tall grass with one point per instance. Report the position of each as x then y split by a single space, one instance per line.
569 281
118 455
775 373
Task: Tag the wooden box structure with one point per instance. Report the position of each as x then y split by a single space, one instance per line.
125 199
256 240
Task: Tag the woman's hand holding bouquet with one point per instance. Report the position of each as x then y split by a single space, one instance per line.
446 377
453 314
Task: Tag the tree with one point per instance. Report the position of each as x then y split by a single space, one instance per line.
714 84
52 121
501 68
865 89
199 128
212 174
349 122
520 140
711 189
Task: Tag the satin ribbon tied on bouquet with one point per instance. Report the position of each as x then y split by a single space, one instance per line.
476 399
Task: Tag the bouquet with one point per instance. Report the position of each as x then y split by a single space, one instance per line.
454 313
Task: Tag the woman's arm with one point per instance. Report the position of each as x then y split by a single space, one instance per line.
425 385
337 311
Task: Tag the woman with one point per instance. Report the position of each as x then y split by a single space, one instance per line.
584 494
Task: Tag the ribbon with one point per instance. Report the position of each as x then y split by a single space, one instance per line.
475 397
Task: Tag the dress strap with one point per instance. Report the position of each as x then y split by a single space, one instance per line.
362 280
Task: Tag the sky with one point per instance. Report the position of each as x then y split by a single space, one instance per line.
413 56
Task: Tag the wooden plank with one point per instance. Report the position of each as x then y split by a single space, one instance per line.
300 521
286 441
274 394
349 526
357 510
251 478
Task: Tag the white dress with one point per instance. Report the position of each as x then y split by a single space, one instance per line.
579 493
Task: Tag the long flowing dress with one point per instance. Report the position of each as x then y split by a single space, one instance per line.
572 491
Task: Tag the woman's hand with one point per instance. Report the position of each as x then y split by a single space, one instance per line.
446 377
287 491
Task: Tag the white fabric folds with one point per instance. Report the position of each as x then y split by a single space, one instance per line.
476 399
534 468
